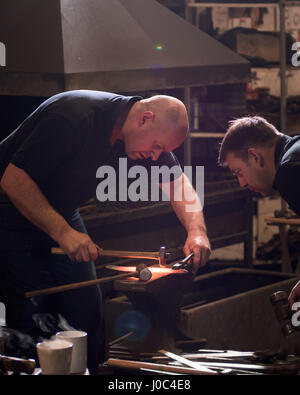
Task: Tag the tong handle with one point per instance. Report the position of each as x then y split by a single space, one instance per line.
187 258
183 264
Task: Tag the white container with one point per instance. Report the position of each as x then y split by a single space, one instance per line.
79 354
55 357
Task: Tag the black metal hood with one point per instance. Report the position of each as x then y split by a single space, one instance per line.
113 45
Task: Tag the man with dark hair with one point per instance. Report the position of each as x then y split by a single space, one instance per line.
244 133
48 170
264 160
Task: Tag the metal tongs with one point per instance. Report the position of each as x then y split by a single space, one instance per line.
185 263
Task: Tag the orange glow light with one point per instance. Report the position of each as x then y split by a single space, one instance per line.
153 269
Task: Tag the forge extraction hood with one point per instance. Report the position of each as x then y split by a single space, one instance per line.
114 45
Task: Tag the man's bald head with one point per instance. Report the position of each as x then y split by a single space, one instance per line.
169 114
154 125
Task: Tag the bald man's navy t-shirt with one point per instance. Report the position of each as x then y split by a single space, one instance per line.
65 140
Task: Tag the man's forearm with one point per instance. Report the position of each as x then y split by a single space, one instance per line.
186 204
30 201
192 221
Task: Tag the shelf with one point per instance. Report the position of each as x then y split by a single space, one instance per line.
244 5
207 135
234 5
281 5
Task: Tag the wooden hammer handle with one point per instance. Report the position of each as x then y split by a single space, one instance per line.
17 365
69 287
285 221
115 253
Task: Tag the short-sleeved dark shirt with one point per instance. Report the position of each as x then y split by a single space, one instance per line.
287 178
65 140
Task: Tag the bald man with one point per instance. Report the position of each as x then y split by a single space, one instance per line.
48 169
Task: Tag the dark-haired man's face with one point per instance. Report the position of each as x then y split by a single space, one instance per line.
252 174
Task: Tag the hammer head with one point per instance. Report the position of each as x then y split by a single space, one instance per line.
283 312
162 257
144 273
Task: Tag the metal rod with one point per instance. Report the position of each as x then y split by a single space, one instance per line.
185 361
283 87
69 287
121 338
219 356
128 364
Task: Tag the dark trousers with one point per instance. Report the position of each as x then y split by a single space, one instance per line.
27 264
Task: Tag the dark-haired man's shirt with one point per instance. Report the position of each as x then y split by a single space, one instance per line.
287 179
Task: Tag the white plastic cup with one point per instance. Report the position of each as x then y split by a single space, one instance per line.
79 354
55 356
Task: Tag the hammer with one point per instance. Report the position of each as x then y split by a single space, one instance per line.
142 272
17 365
160 256
283 312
